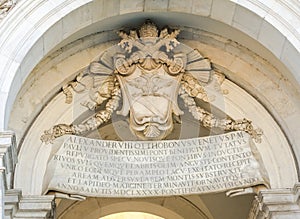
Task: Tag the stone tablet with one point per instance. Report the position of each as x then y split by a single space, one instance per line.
101 168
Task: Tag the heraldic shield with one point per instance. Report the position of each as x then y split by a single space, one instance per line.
148 70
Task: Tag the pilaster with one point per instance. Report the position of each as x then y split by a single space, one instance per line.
13 204
8 160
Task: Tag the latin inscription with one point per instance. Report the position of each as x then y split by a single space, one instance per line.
93 167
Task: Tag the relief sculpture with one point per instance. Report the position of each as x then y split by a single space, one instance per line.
5 7
143 76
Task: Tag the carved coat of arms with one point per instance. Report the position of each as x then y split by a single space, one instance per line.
148 70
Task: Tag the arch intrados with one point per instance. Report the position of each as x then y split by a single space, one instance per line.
134 206
166 207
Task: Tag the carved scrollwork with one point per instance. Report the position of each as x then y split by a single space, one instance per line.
123 66
193 88
102 116
5 7
57 131
210 121
90 124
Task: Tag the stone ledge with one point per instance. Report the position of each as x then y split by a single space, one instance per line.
34 207
277 203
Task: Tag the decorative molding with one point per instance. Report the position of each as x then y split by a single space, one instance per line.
12 198
8 157
31 207
277 203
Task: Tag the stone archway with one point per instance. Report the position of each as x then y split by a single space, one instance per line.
264 79
238 103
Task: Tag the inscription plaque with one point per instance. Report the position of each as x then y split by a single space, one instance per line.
101 168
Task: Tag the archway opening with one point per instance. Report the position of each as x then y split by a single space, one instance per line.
131 215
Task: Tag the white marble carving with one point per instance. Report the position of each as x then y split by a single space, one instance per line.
5 7
81 166
148 69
